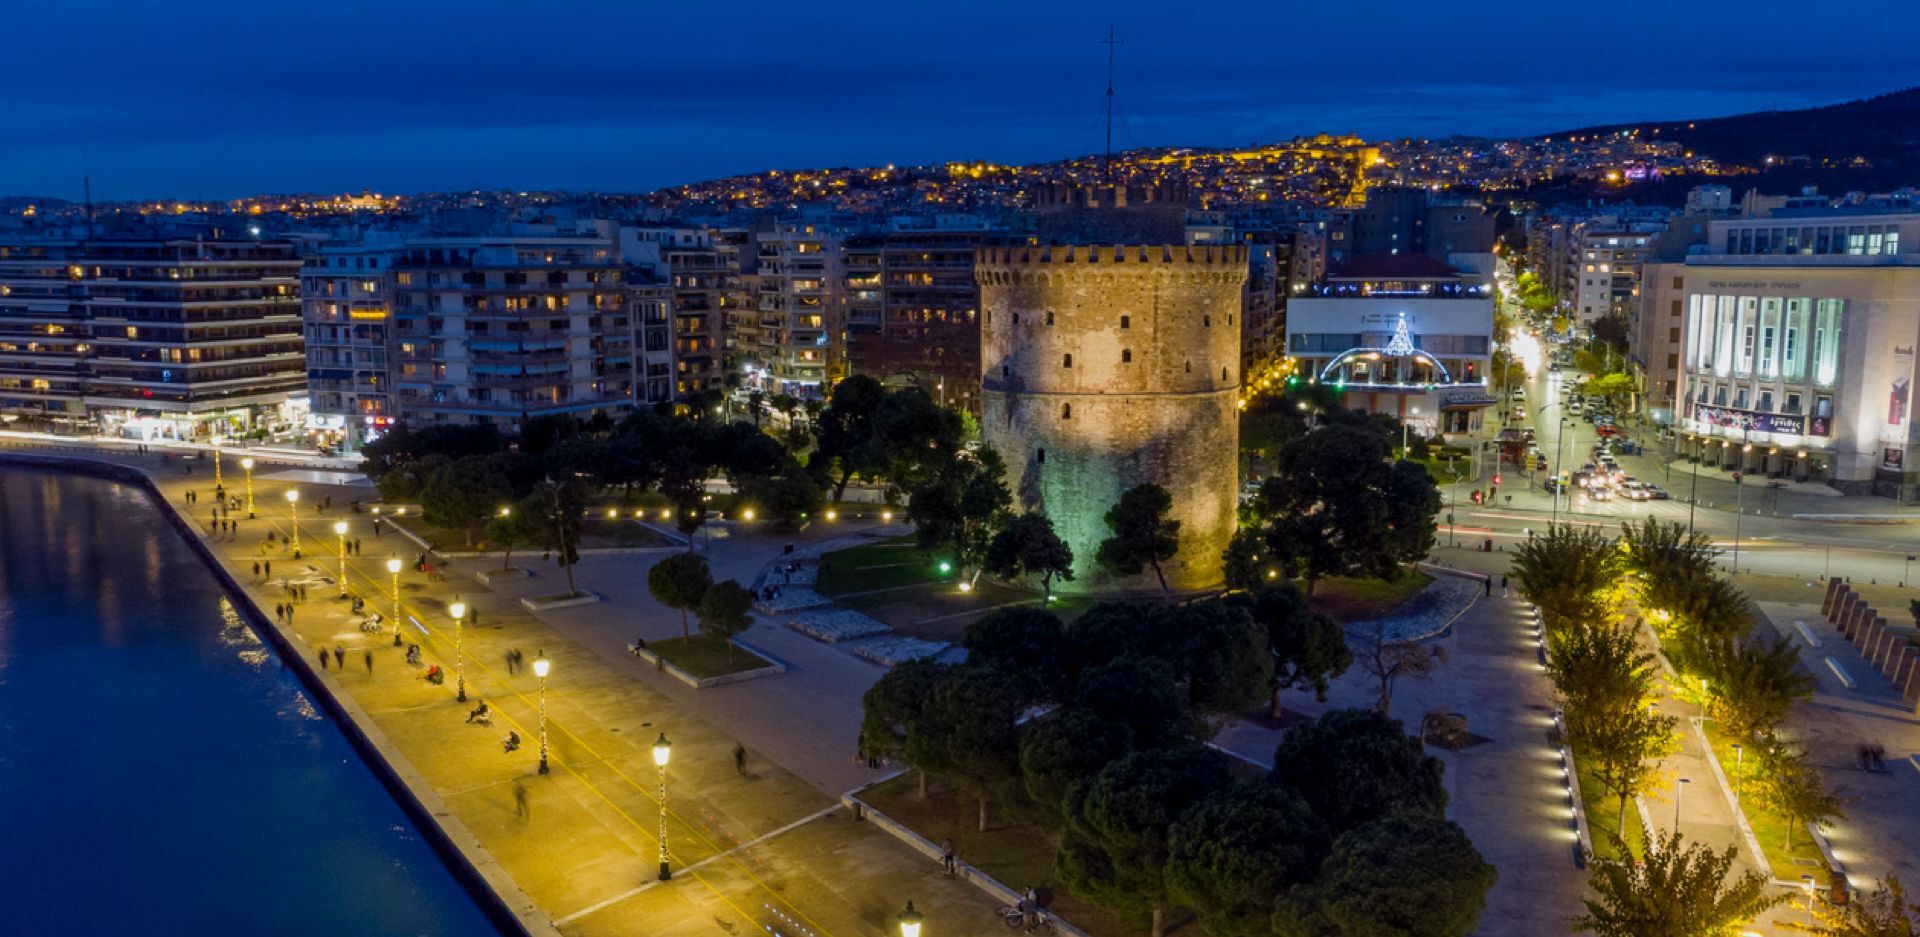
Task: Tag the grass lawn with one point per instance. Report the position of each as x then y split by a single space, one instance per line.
1014 852
887 564
1768 827
437 538
1351 600
703 656
1603 816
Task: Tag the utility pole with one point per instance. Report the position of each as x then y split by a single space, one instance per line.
1106 161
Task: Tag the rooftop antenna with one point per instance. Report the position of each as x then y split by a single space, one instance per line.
1106 161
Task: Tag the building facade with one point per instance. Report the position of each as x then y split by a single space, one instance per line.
1799 335
798 341
347 324
913 309
176 338
1407 336
1103 368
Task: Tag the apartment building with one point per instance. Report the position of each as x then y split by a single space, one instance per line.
697 276
167 338
797 342
912 308
347 323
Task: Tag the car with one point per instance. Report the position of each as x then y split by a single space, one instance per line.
1600 494
1590 468
1520 394
1553 365
1635 491
1656 493
1540 464
1555 485
1607 429
1574 407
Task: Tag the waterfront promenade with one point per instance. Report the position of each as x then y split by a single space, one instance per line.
574 851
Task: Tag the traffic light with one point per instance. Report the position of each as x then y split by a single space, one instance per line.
1496 479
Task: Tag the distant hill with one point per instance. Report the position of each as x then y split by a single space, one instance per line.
1884 129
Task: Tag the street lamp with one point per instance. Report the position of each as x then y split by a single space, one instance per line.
661 749
541 665
1739 755
458 610
340 530
393 566
1808 880
246 464
1679 791
910 921
293 514
217 482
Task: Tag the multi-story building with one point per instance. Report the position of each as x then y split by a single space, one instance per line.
1604 269
912 308
1799 335
499 328
652 341
695 274
346 304
1412 220
171 338
799 332
1405 335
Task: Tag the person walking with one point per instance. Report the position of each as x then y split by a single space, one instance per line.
323 658
740 759
1503 587
946 856
256 569
520 801
267 566
339 656
369 659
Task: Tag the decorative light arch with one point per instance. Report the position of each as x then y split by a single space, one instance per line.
1399 346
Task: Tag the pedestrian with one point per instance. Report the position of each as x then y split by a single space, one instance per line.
510 664
279 611
369 659
376 528
520 801
327 504
303 592
267 566
323 658
256 570
1488 582
740 759
946 855
289 614
1503 587
339 656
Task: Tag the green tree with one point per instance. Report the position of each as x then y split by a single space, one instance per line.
1028 641
786 498
1026 547
1239 847
893 712
1143 535
1792 788
1752 685
1566 573
916 437
1379 768
1066 746
1308 648
464 494
1605 681
679 582
541 433
1336 507
1612 330
1614 388
1664 561
561 504
961 506
1709 614
516 525
1624 752
1680 890
973 718
845 431
725 611
1883 912
1225 657
1141 694
1243 564
1411 875
1120 822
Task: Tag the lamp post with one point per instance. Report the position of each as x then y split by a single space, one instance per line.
293 515
661 749
1679 790
246 465
340 530
1808 880
217 482
541 665
1738 489
458 610
910 921
1739 755
393 566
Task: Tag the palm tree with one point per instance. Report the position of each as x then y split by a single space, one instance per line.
1681 890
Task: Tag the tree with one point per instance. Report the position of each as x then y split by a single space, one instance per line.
1239 847
541 433
1027 641
1355 766
1139 693
683 479
1754 684
1027 546
1143 535
1883 912
1792 788
562 505
1387 659
1241 562
1066 746
916 438
1665 562
1224 657
465 493
973 718
1679 890
785 498
516 525
1612 330
1615 388
1120 822
845 431
1413 501
679 582
1709 613
725 612
1566 573
1623 751
1605 681
961 506
1413 875
1308 648
892 712
1335 506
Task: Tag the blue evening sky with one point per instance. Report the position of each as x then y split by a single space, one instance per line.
213 98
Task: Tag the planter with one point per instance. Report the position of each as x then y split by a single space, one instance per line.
541 603
700 683
490 576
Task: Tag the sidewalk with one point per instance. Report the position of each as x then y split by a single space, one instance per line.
580 842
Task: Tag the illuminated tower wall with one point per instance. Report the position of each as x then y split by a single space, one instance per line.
1107 367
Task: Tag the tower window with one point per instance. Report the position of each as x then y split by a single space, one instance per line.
1040 456
1126 356
1005 371
1016 318
1223 374
1126 322
1229 318
1049 317
1066 411
1206 321
1066 361
1189 367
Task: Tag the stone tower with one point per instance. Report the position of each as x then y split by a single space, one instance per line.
1104 367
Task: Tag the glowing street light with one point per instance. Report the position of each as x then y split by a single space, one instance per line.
247 465
910 921
458 610
661 749
541 665
393 566
293 515
340 530
217 482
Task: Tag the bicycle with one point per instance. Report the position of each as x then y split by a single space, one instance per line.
1016 919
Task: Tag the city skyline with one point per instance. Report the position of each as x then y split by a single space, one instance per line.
218 105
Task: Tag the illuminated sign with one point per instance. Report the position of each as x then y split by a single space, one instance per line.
1785 423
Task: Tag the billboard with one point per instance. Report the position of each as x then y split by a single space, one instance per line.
1788 424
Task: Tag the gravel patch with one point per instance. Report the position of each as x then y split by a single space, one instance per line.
836 624
1427 613
889 651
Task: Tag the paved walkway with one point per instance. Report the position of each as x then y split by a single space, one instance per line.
755 850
